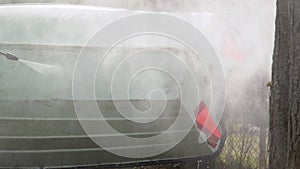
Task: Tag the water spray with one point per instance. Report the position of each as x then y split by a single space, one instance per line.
38 67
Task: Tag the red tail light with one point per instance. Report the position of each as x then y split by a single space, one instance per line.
207 125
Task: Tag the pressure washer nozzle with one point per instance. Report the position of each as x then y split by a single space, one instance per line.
11 57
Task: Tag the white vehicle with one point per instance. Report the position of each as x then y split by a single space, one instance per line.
39 126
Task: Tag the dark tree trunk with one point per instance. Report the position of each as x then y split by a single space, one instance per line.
294 92
285 90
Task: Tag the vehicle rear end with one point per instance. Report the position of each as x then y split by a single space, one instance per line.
152 105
